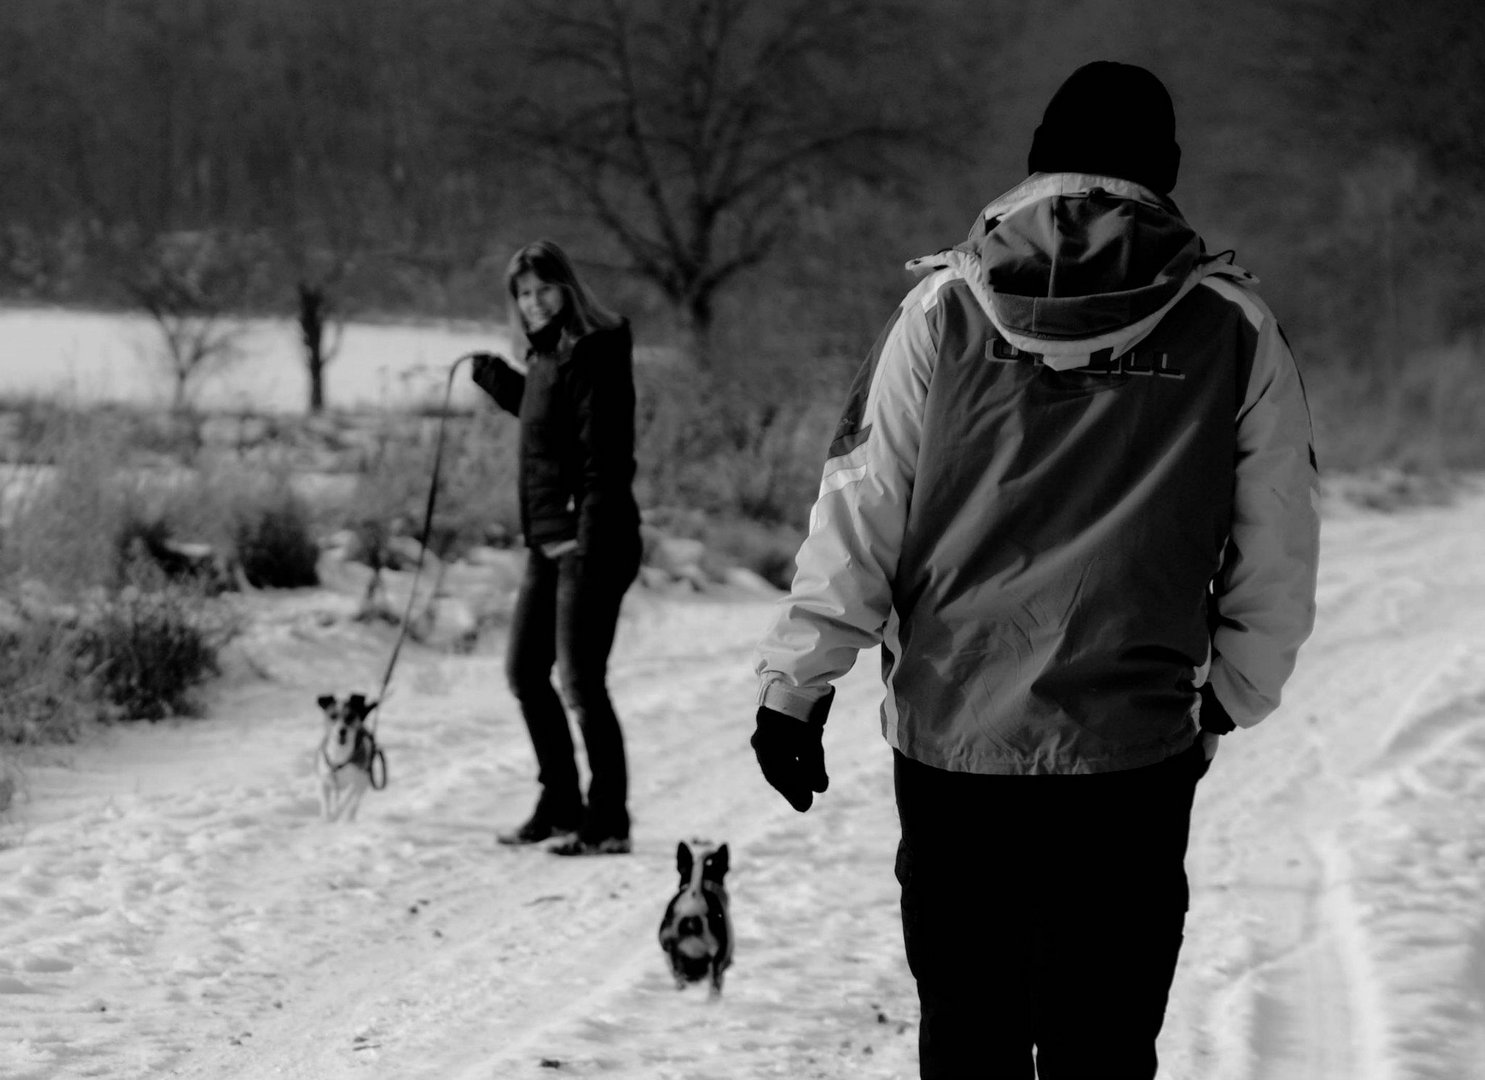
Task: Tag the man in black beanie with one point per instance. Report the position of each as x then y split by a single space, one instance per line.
1110 119
1073 498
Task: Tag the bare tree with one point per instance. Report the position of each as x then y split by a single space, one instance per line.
696 131
1397 91
191 284
316 317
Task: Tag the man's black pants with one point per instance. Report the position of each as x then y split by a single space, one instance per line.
566 615
1046 912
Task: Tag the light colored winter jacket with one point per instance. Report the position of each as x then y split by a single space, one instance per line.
1073 480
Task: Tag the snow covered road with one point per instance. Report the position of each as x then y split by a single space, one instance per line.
171 907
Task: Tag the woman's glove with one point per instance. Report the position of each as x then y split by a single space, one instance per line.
486 371
792 756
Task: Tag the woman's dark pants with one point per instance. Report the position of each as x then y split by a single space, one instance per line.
566 615
1045 912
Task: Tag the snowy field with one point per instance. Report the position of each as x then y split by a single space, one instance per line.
171 907
89 357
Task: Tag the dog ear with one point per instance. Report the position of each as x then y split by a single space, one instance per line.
324 701
357 707
716 864
684 860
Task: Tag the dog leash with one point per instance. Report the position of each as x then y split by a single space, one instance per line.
381 694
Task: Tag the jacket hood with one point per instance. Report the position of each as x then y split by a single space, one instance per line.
1068 264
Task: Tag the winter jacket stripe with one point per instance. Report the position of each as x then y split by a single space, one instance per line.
1264 598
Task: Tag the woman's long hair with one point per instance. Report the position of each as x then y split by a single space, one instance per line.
548 262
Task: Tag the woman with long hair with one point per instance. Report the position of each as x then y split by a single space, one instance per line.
574 395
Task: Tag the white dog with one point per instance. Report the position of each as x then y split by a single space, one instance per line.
347 762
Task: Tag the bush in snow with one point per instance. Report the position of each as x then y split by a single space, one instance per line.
43 695
476 504
146 651
65 520
91 624
133 654
274 540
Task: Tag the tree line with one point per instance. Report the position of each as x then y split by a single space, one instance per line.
745 176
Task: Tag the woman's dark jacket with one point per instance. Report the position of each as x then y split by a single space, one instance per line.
576 405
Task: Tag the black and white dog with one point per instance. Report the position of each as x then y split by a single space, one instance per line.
696 932
348 759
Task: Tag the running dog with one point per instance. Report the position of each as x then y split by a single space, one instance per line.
696 932
346 764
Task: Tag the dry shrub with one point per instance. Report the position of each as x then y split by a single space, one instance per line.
147 650
727 447
254 522
92 628
261 522
767 550
43 695
63 529
476 502
274 542
1425 419
135 654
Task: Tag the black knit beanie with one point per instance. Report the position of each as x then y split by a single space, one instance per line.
1111 119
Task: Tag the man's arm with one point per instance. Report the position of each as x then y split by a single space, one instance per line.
842 590
1265 591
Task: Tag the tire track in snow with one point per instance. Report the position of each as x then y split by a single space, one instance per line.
413 996
1294 1002
1419 849
1289 828
791 913
415 1006
1316 1014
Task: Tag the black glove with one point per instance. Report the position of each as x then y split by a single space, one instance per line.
486 371
1213 717
791 755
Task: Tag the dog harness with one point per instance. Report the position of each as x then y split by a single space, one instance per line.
366 755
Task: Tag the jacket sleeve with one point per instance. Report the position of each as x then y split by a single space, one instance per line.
1264 593
841 595
502 382
600 380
